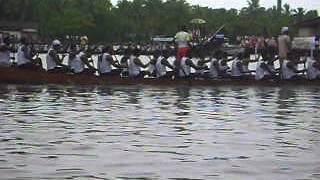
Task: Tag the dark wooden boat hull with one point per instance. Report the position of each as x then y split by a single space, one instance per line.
21 76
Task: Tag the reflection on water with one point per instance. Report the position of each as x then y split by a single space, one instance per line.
141 132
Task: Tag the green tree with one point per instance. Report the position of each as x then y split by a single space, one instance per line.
138 20
70 22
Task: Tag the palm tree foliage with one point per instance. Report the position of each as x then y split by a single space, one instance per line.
141 19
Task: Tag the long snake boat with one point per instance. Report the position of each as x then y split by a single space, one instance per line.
23 76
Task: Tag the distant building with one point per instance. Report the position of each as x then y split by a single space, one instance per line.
309 27
18 29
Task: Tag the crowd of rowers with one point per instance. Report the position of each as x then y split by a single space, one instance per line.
197 63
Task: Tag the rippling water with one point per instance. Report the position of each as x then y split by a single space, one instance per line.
141 132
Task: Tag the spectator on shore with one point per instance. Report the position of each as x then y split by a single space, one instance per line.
272 46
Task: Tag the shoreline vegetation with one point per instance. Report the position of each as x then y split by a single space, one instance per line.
139 20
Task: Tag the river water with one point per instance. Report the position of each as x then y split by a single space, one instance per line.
143 132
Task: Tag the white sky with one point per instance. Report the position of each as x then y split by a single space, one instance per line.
238 4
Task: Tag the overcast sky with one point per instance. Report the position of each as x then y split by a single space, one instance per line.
307 4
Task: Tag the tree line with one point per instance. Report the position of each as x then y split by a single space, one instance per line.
138 20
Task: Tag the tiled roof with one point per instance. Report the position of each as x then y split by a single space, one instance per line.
309 22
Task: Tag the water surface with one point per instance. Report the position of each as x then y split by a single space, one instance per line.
142 132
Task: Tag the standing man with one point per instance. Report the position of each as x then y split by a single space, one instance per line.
182 40
284 45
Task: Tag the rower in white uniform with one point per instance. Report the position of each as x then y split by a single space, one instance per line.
201 61
223 65
240 67
84 61
124 63
237 71
186 65
161 66
4 55
24 56
152 64
106 63
135 64
75 64
289 68
263 69
313 67
213 69
219 65
53 60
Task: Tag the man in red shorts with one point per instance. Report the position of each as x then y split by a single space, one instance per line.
182 40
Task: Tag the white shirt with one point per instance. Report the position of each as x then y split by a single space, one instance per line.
5 58
161 69
214 73
287 73
151 68
312 72
185 69
235 71
21 57
51 64
261 72
104 66
76 64
223 67
134 70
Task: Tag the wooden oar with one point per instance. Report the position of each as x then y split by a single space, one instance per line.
217 31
